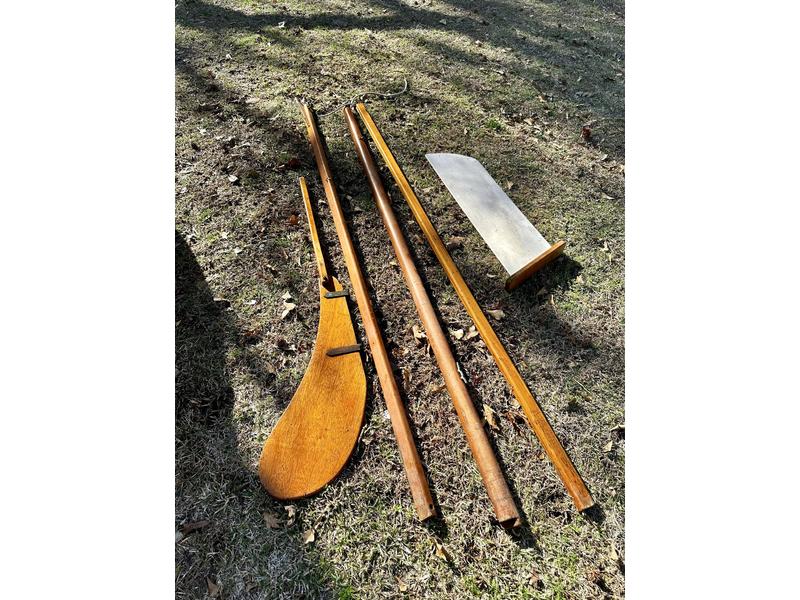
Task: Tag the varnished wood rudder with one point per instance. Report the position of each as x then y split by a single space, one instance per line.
417 479
315 436
566 470
493 479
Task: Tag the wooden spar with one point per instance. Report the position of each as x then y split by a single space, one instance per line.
317 432
537 419
417 479
493 479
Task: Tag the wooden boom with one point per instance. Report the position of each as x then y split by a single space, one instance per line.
317 432
417 480
537 419
471 422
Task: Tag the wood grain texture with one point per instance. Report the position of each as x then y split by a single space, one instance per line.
417 480
315 436
471 422
566 470
546 257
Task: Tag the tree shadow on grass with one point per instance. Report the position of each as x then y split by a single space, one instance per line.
214 488
550 58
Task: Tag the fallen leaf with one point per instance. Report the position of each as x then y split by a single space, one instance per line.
613 554
293 219
309 536
439 550
233 178
596 577
393 262
229 57
402 586
188 528
406 378
497 314
509 185
288 308
224 235
237 250
272 520
419 335
586 134
535 581
516 418
286 296
282 24
443 21
609 446
471 333
489 415
455 243
458 333
291 511
213 588
292 163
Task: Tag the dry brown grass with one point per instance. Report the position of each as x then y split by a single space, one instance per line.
510 83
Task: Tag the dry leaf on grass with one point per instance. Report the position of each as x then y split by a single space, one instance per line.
471 333
309 536
609 446
401 585
213 588
187 528
272 520
454 243
233 178
517 419
292 219
535 581
287 308
613 554
419 335
439 550
291 511
406 378
489 415
286 296
458 333
497 314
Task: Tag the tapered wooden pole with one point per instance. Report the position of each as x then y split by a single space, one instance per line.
417 480
537 419
471 422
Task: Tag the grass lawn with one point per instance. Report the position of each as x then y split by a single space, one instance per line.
512 84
